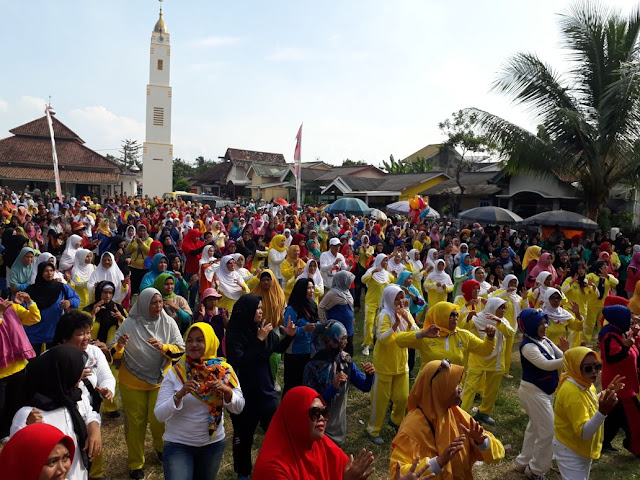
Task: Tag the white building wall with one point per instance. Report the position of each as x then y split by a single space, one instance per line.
157 152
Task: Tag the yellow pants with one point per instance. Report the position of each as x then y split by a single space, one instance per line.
97 466
594 312
508 347
491 388
370 310
387 388
138 409
108 406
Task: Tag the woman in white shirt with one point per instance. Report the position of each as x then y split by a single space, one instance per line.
191 401
54 398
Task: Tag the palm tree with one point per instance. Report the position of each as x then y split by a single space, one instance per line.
589 118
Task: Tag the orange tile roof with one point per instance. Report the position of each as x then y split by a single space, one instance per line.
40 128
66 176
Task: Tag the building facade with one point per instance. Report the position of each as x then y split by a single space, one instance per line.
157 150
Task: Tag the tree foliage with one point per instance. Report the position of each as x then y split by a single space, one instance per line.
348 162
589 117
420 165
129 154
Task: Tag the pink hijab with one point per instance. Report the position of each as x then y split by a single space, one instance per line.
541 267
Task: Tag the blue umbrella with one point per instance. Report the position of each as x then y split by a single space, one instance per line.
353 206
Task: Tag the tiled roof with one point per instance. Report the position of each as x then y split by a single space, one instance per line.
401 181
66 176
254 157
37 151
40 128
341 171
214 174
269 170
475 183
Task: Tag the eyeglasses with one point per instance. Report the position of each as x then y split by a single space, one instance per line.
316 412
590 368
445 364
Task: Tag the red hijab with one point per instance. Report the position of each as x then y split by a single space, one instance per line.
297 238
28 450
467 288
152 248
288 451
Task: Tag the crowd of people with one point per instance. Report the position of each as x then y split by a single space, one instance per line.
171 312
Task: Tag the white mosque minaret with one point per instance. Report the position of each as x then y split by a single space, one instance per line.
157 156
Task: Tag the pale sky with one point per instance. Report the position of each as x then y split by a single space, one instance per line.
368 78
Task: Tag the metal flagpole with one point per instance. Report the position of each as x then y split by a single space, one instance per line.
297 155
48 109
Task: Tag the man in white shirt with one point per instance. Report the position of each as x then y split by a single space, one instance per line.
331 261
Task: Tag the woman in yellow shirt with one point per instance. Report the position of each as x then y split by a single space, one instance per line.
438 431
376 279
576 288
603 282
391 382
562 323
579 413
291 267
441 338
415 266
438 284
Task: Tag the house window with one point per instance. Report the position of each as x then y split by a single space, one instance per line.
157 160
160 64
158 116
486 203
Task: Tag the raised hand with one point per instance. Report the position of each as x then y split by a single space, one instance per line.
607 401
4 305
454 447
35 416
616 384
368 368
105 393
339 378
412 474
157 344
489 330
263 330
475 432
432 331
358 468
123 339
563 344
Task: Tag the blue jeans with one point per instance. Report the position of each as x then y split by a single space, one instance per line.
183 462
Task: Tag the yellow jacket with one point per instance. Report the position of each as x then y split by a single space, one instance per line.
572 291
374 289
434 294
510 313
138 253
388 357
574 406
454 347
609 283
287 269
497 362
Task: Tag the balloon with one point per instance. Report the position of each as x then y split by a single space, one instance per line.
414 204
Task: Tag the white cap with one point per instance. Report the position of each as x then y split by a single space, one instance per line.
334 241
83 209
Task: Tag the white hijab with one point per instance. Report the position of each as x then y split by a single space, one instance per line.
556 315
512 296
228 281
414 260
481 321
437 276
484 285
540 292
111 274
129 238
388 308
395 267
383 275
431 260
210 271
69 254
82 271
317 277
42 258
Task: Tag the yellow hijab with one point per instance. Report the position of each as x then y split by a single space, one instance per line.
276 241
273 300
439 315
571 362
104 228
532 253
298 262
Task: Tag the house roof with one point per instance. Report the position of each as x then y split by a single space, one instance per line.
66 176
216 173
268 170
342 171
392 184
30 146
475 183
403 181
253 156
40 128
425 152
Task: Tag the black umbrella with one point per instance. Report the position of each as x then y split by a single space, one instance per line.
490 216
561 218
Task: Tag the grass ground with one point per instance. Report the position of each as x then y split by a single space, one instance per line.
510 416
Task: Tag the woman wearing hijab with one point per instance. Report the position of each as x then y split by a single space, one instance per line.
470 302
529 262
579 412
154 249
396 264
541 361
53 397
462 273
446 340
138 250
209 263
175 306
74 242
620 356
364 252
20 277
312 272
437 430
417 305
107 316
109 271
146 343
562 323
537 295
13 244
390 360
230 283
273 298
277 255
168 245
105 236
81 272
250 342
43 258
211 314
375 279
480 276
303 312
417 269
50 453
576 288
53 298
438 283
337 304
603 283
295 445
489 368
160 265
292 266
191 403
331 370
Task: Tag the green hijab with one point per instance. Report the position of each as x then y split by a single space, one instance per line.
159 285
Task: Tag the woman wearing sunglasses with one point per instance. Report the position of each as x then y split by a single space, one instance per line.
580 413
295 445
